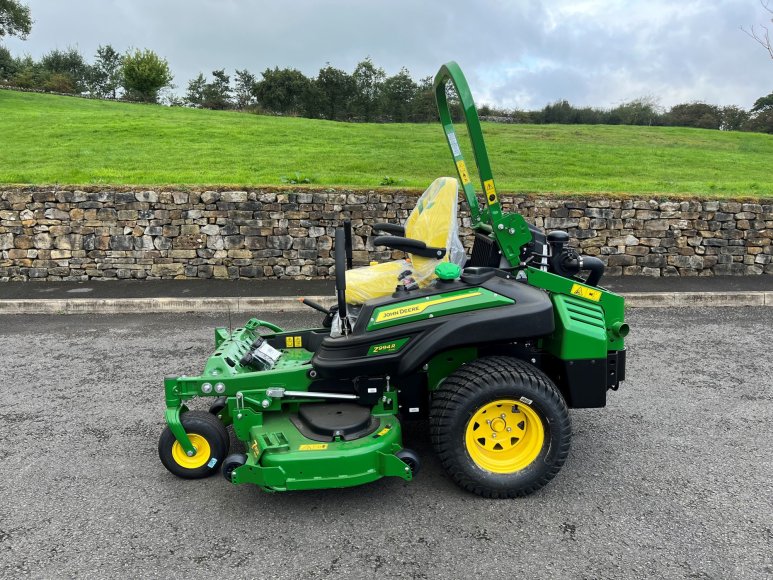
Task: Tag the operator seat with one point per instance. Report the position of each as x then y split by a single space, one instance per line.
432 224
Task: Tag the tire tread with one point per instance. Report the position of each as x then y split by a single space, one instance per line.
461 386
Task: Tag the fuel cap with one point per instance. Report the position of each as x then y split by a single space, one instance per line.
447 271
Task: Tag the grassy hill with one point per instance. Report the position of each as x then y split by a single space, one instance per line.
48 139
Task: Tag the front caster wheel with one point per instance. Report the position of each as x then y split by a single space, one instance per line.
411 459
218 406
208 436
500 427
230 463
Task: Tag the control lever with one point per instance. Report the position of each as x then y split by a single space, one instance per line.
314 305
328 312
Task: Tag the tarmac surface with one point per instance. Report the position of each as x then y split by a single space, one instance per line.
244 296
673 479
285 287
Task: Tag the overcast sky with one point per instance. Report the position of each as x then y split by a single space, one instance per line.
515 53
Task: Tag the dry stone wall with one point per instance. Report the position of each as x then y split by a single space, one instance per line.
68 234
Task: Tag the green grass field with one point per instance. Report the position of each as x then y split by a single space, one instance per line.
46 139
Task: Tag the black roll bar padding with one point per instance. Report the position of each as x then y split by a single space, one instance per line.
348 239
340 270
410 246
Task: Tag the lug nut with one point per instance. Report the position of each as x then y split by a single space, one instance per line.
265 403
509 429
190 453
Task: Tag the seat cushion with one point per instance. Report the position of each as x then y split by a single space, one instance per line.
363 284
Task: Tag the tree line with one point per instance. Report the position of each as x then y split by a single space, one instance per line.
137 75
646 112
367 94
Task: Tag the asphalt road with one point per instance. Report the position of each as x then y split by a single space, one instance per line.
673 479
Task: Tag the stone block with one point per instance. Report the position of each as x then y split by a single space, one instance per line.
233 196
637 250
146 196
167 270
7 241
621 260
56 214
690 262
233 242
42 241
653 260
161 243
554 223
304 244
656 225
280 242
182 254
189 242
121 242
255 243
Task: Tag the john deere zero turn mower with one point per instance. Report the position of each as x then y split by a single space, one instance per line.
493 348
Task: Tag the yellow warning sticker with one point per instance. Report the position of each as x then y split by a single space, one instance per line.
585 292
384 431
313 447
463 172
289 341
297 342
491 192
403 311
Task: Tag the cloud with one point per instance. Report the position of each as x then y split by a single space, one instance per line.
516 54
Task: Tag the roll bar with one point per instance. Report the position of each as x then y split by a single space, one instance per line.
509 229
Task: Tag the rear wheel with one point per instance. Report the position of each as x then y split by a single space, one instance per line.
208 436
500 427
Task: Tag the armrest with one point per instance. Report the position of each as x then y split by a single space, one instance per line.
392 229
409 246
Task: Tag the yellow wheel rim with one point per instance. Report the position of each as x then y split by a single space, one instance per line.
504 436
202 452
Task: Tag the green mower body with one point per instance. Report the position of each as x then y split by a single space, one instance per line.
493 355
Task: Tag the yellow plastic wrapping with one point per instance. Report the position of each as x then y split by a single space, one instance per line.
434 222
373 281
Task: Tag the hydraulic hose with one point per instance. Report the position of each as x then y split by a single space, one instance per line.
596 267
